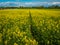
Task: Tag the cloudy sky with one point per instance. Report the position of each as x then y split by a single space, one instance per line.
29 2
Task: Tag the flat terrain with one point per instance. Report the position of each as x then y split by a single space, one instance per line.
30 27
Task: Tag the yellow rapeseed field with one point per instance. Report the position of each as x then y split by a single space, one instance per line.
30 27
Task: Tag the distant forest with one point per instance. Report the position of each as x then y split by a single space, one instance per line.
37 7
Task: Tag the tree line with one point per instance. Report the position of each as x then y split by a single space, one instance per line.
33 7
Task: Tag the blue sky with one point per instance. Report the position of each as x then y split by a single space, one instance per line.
29 2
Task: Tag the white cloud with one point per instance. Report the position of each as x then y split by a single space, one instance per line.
56 3
27 3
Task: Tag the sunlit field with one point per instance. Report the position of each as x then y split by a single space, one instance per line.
30 27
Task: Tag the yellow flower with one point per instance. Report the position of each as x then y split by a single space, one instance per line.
6 42
15 44
26 40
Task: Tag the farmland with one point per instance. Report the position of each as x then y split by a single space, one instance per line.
30 27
